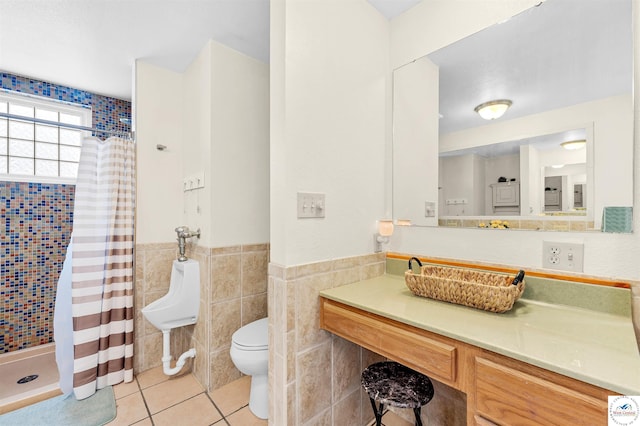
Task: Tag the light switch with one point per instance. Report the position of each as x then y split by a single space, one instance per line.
311 205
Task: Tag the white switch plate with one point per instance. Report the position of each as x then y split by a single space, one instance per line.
563 256
310 205
429 209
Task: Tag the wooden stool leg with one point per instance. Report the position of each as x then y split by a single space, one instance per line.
377 411
416 411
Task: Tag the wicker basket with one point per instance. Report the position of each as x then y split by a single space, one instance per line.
482 290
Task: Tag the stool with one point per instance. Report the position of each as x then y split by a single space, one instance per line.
393 384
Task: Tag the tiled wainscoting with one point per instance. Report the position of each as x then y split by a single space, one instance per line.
233 292
314 376
301 355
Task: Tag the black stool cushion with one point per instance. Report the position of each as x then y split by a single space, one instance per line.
394 384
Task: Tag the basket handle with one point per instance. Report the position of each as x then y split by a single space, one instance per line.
518 278
417 260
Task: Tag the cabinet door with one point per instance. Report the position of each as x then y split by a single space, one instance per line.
506 195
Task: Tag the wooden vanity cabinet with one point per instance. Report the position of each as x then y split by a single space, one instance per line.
500 390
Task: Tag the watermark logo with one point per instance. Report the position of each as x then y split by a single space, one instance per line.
624 411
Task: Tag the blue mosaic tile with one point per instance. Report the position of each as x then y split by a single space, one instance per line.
35 226
38 230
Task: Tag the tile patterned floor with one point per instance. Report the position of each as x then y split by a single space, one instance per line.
154 399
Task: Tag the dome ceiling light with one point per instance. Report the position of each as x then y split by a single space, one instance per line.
493 109
577 144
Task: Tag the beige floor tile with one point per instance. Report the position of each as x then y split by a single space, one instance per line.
129 410
151 377
171 392
245 417
392 419
145 422
232 396
123 389
199 410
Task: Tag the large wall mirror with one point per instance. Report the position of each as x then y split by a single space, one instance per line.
566 69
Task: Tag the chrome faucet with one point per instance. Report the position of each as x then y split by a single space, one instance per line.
184 233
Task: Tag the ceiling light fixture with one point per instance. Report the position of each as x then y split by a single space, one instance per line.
493 109
577 144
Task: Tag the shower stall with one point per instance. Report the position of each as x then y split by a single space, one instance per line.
36 218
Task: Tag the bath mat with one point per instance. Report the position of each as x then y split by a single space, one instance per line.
98 409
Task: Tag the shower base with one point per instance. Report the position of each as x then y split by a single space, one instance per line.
22 366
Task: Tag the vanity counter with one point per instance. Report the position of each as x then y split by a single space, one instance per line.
593 347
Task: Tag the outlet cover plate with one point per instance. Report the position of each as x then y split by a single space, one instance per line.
563 256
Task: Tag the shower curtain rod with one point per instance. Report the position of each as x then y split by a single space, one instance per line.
129 135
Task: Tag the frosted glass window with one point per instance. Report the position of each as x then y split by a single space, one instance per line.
46 114
46 133
39 149
46 168
19 129
70 137
69 153
70 119
20 166
68 169
47 151
16 109
20 148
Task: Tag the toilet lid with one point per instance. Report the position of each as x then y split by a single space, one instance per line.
254 335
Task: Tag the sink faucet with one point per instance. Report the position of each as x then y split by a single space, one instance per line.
183 233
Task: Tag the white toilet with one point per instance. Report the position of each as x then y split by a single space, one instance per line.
250 354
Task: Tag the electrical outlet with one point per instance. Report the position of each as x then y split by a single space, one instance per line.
563 256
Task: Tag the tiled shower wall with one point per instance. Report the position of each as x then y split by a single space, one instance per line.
36 226
105 111
233 292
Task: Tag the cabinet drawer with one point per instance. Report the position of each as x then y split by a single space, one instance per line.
419 352
509 396
412 348
351 325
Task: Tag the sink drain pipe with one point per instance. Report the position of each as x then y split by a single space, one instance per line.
166 355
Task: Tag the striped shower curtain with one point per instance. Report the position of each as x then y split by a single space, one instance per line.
102 277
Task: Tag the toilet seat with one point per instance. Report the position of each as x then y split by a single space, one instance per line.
253 336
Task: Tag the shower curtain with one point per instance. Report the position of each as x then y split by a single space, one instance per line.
102 277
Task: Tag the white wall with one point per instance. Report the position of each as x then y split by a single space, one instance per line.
415 123
329 117
158 118
196 139
239 148
436 23
214 119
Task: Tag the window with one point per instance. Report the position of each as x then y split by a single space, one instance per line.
36 151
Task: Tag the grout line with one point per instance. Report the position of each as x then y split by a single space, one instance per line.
144 400
217 408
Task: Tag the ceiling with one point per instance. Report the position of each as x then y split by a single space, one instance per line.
92 44
561 53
